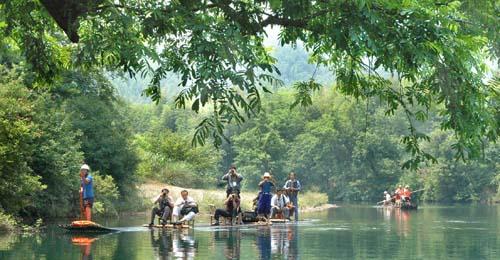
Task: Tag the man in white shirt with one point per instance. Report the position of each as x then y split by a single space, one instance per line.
279 204
185 207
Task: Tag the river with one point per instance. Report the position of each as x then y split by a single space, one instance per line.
347 232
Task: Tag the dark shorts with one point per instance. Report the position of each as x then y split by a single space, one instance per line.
88 202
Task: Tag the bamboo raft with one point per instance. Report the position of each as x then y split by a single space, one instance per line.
86 226
168 226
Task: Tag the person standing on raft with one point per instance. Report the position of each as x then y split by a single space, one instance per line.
86 192
264 205
233 181
292 187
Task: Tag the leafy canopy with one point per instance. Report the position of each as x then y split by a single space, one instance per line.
435 49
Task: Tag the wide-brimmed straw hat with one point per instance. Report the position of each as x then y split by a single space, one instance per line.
266 175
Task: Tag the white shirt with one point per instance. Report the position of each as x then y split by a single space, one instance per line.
180 202
281 202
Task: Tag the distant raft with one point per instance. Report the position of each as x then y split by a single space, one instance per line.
409 207
402 207
87 226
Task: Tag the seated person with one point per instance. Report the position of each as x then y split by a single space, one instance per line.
184 207
280 204
406 195
387 198
232 208
164 207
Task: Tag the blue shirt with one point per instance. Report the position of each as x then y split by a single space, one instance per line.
266 187
88 190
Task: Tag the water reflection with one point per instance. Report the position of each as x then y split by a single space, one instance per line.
264 242
161 243
348 233
281 242
176 244
85 244
232 242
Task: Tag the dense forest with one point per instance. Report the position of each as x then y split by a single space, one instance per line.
347 148
387 94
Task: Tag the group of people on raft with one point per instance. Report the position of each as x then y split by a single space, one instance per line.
401 196
284 202
272 201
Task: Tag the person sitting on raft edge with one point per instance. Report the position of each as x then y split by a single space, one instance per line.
164 209
233 181
232 208
185 207
279 204
86 191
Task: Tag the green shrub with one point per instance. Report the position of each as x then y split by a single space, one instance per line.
7 222
312 199
106 195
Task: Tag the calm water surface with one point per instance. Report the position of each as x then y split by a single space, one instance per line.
347 232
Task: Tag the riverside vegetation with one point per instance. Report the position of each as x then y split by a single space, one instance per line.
398 93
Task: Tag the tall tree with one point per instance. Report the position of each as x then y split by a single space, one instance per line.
436 49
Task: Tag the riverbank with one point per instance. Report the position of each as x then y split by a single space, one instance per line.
308 201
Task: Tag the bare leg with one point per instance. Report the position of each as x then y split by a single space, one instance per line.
88 213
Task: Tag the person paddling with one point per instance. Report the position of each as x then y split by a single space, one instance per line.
264 205
86 192
387 198
292 187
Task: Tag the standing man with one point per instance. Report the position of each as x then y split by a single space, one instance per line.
184 207
165 205
233 181
86 191
292 187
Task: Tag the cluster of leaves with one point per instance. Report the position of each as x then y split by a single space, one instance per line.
436 49
107 193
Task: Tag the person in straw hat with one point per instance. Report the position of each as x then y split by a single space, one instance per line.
266 186
86 191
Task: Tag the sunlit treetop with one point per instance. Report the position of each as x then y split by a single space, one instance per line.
435 49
